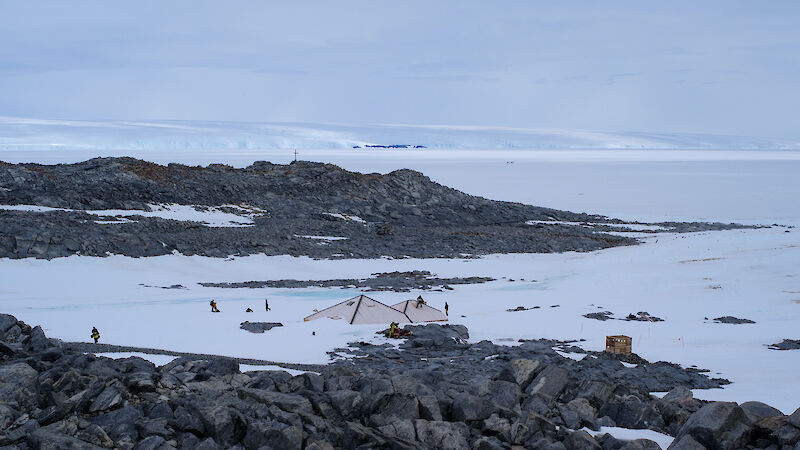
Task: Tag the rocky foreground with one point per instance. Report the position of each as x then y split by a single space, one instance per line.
285 209
435 391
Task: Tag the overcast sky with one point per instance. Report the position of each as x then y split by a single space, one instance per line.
724 67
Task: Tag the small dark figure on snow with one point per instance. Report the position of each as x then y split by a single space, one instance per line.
446 307
420 302
95 335
248 310
213 306
266 304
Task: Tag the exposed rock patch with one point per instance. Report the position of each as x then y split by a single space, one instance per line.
259 327
522 308
602 316
732 320
786 344
391 281
641 316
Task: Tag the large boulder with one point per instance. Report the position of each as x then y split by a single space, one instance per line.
794 419
287 402
44 439
550 382
539 404
226 425
38 341
396 406
468 407
520 371
597 392
442 435
756 411
631 412
347 403
307 382
18 385
186 421
584 410
686 443
272 434
678 394
581 440
140 382
504 394
6 322
7 416
120 425
6 349
718 425
403 429
110 398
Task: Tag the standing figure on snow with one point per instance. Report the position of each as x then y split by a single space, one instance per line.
213 306
266 304
446 307
95 335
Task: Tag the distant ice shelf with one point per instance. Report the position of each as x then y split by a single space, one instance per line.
20 134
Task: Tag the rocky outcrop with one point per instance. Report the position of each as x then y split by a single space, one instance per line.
732 320
259 327
786 344
386 281
436 391
292 208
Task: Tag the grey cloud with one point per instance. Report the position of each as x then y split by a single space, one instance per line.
657 66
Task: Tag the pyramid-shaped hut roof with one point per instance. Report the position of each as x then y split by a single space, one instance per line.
419 311
361 309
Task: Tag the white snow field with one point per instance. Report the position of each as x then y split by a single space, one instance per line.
209 216
114 136
752 274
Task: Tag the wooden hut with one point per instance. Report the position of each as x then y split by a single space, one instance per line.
619 345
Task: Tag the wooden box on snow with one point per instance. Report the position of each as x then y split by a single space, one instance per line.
619 344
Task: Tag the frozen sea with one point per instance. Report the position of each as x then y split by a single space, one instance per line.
684 279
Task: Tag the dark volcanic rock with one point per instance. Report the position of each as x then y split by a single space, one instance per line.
436 391
718 425
756 411
18 385
286 203
391 281
786 344
259 327
732 320
602 316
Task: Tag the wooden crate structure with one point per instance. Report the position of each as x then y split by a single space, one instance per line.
620 345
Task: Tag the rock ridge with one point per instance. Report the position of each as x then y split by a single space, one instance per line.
435 390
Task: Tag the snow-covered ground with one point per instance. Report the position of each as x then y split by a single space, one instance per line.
753 274
104 136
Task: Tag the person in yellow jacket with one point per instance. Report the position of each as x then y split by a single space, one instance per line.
95 335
